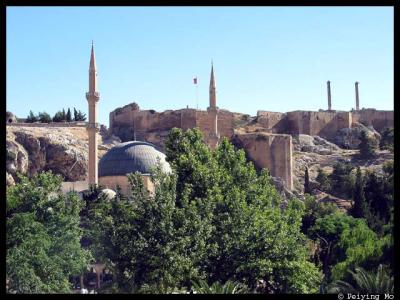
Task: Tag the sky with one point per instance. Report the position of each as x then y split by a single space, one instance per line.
265 58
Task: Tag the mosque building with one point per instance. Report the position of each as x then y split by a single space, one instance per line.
125 158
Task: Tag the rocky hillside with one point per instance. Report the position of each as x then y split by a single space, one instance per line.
62 150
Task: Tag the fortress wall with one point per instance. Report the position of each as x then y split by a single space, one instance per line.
203 122
271 151
379 119
225 123
188 118
274 122
325 124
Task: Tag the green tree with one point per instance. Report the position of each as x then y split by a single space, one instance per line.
44 117
58 117
245 216
315 210
359 208
229 287
345 242
307 188
43 236
358 246
387 139
64 115
32 118
373 282
68 117
367 146
342 180
79 116
323 180
75 114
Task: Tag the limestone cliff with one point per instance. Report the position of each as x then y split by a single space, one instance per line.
63 150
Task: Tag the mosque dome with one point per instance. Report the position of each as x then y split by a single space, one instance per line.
130 157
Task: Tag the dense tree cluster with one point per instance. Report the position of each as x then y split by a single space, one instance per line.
60 116
43 236
214 225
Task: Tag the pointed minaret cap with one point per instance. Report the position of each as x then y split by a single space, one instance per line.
212 80
92 65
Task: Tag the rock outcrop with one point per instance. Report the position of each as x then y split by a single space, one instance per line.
31 150
314 144
349 138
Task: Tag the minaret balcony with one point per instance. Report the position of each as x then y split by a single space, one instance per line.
95 95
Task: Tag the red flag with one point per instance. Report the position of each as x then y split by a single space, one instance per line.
195 80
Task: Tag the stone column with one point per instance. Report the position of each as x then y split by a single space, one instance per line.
329 95
357 97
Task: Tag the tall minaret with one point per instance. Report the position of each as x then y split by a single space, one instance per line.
213 92
213 137
357 99
92 127
329 95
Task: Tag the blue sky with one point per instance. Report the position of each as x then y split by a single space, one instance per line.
265 58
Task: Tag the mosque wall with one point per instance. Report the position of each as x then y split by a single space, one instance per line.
111 182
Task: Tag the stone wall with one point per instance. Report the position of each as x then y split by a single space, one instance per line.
130 124
379 119
324 124
111 182
274 122
271 151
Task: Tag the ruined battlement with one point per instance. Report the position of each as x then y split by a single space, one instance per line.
129 122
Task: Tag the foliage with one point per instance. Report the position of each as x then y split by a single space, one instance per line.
315 210
229 287
32 118
68 117
307 188
346 242
374 282
245 216
213 219
58 117
44 117
43 236
323 180
359 245
387 140
79 116
367 146
359 208
342 180
62 116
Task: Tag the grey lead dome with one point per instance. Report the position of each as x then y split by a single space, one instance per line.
130 157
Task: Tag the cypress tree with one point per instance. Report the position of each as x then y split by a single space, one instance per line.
359 208
68 116
307 188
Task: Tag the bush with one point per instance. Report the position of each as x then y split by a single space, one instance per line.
367 146
44 117
32 118
387 139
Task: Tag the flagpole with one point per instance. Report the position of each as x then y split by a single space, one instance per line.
197 96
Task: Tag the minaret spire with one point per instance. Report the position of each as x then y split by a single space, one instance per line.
92 97
213 92
213 137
